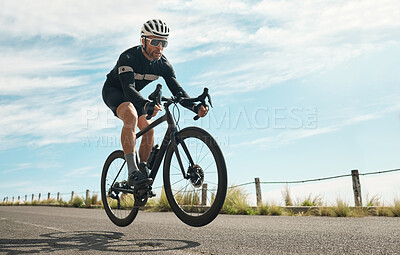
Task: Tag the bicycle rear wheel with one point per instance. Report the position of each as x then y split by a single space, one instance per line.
196 200
118 205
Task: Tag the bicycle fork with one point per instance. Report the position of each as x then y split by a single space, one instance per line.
175 142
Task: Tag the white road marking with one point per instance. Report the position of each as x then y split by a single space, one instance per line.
40 226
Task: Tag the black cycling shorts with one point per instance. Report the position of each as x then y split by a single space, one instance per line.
113 97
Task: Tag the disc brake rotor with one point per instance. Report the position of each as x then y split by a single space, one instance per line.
196 176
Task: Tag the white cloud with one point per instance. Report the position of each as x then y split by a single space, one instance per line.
344 119
53 54
362 118
24 86
311 22
52 118
79 172
73 18
285 138
6 185
18 167
281 40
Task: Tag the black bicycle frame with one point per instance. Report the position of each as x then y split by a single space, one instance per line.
170 137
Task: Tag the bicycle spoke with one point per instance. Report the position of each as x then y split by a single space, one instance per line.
177 182
181 189
208 166
200 152
210 198
186 198
208 182
176 168
204 157
121 210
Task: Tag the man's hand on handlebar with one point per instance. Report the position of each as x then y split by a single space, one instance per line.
202 111
152 109
157 108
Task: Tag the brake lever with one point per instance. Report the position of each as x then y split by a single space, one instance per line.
209 100
202 99
156 97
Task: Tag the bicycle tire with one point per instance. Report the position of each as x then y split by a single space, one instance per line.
123 216
196 214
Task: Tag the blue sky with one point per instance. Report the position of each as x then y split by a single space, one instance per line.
301 89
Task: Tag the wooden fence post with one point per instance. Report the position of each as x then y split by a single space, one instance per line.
258 191
204 194
356 187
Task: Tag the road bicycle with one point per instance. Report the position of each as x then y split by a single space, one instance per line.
194 171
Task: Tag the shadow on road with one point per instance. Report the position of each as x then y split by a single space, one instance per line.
91 241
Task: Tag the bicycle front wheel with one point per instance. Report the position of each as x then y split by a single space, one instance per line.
117 204
198 198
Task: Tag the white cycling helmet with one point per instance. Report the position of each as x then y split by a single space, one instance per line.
155 27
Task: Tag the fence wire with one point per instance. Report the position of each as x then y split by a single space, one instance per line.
314 180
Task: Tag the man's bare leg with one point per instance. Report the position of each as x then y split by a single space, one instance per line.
147 139
127 113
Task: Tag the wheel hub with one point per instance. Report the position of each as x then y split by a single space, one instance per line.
196 175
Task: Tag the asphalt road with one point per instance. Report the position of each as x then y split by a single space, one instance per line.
25 229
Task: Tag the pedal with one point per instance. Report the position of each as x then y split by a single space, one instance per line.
140 202
141 195
151 194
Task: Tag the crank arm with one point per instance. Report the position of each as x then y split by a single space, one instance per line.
122 190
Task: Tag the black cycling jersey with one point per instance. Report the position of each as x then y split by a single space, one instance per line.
132 73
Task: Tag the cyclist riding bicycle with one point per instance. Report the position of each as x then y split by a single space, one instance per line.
135 68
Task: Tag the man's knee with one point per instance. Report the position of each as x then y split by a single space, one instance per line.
127 113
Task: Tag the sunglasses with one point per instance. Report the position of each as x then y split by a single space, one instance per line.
155 42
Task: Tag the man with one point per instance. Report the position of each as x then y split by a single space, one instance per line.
135 68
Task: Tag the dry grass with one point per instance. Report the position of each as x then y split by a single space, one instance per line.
236 202
396 208
286 196
162 204
188 198
311 200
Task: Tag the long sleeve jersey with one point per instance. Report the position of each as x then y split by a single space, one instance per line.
134 71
